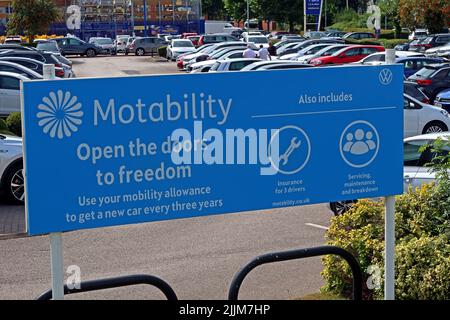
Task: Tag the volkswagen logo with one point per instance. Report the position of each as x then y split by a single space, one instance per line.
386 77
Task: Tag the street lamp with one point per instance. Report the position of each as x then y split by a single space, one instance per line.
248 14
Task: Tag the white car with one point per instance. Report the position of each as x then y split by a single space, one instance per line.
326 51
11 168
441 51
232 64
310 50
379 58
421 118
200 65
178 47
418 33
415 169
10 92
258 41
7 66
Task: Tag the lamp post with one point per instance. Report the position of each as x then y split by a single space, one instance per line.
248 14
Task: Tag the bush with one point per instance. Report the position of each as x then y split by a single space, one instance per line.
14 122
3 125
422 251
348 19
162 51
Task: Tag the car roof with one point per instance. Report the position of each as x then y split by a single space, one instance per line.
429 136
21 59
15 75
238 59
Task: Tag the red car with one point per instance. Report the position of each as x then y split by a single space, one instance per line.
347 55
194 40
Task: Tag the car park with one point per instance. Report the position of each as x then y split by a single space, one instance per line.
441 51
347 55
433 79
213 50
75 46
10 92
231 64
143 45
216 55
48 45
11 168
107 45
7 66
443 100
178 47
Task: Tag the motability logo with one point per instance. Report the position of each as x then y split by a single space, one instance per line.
60 114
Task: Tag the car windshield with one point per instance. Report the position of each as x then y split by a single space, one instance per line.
215 66
329 51
47 46
428 40
182 44
258 39
103 41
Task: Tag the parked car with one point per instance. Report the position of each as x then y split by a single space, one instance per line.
421 118
130 42
292 37
121 43
416 170
15 46
301 45
33 65
231 64
10 92
43 57
277 35
315 34
285 66
144 45
258 41
415 45
412 89
194 40
183 59
443 100
433 41
359 35
107 45
433 79
213 50
48 45
178 47
347 55
326 51
11 168
215 38
308 51
13 39
7 66
336 34
414 64
75 46
402 46
418 34
216 55
441 51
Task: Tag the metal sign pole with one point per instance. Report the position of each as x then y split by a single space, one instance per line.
57 266
304 17
389 254
55 238
389 227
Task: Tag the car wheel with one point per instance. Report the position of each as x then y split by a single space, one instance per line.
90 53
14 184
140 52
341 207
435 127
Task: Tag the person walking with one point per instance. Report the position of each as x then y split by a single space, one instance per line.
249 53
264 54
272 50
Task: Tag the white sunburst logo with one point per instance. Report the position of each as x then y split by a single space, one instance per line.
60 114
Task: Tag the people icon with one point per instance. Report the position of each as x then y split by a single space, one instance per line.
359 142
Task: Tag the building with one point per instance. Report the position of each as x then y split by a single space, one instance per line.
88 18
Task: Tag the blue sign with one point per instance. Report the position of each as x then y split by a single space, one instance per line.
313 7
113 151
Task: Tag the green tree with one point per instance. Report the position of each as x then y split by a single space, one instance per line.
32 17
433 14
214 9
236 9
390 8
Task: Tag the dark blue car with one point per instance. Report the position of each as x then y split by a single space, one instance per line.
414 64
443 100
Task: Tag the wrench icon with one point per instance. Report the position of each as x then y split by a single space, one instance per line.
294 145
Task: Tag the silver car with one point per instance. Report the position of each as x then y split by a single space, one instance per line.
11 168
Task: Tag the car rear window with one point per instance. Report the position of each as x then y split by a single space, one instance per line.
425 72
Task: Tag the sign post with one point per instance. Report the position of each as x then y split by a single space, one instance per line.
313 8
56 255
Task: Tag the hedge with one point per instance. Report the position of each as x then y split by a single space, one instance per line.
388 44
14 123
162 51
